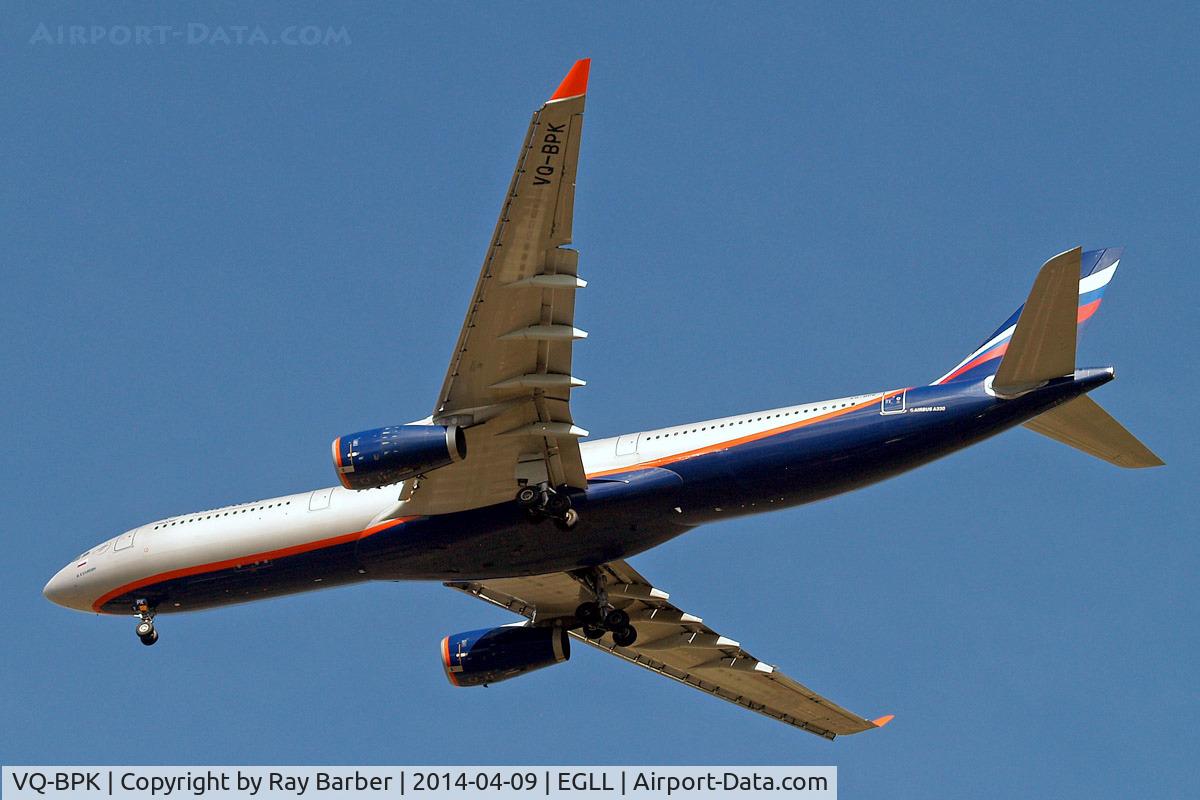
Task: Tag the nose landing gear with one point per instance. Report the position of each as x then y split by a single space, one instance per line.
145 628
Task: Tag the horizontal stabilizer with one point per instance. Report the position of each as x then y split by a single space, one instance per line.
1043 344
1084 425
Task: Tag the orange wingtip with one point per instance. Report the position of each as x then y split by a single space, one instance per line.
879 723
575 83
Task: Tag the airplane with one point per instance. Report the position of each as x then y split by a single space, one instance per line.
499 495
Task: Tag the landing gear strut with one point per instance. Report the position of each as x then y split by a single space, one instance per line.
600 617
542 502
145 628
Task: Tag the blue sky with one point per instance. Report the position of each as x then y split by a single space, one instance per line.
219 257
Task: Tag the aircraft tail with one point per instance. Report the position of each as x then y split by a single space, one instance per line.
1096 270
1037 345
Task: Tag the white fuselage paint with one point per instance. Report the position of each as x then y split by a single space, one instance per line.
237 533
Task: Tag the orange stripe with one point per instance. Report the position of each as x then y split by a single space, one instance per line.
987 355
248 559
1086 311
753 437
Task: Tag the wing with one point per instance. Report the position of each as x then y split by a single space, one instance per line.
510 377
674 643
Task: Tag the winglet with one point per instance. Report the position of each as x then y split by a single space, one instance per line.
575 83
879 723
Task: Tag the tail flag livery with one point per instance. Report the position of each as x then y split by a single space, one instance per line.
1036 345
1097 268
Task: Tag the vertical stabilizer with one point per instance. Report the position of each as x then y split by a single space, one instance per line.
1097 268
1043 344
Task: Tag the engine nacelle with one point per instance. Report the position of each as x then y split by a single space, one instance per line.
477 658
378 457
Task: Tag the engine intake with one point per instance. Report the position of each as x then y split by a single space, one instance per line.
382 456
477 658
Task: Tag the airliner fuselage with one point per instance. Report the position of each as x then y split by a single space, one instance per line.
643 489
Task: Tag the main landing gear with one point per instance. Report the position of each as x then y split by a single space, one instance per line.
145 628
598 620
541 502
599 617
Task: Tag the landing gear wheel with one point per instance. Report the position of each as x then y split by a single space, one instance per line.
145 627
616 619
589 614
527 497
593 632
624 637
568 520
557 505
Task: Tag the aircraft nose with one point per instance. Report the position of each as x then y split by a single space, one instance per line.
55 589
60 589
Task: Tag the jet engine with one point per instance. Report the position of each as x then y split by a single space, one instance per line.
477 658
378 457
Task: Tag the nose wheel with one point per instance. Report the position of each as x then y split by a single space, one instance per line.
145 628
147 633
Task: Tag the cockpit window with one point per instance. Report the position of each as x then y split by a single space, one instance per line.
82 555
100 550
